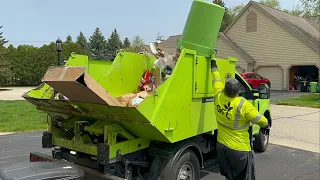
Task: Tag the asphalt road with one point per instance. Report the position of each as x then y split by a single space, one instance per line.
276 163
276 96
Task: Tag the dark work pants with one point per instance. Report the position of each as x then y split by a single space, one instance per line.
235 165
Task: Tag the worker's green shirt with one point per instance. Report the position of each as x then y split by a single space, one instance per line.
234 117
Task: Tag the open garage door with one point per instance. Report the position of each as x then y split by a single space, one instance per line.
274 74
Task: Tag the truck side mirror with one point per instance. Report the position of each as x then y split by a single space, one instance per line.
264 91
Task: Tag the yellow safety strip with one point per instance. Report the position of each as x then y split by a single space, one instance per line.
256 119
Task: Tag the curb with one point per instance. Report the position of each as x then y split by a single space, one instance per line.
6 133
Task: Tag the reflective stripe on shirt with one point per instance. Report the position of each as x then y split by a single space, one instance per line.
235 128
216 80
256 119
238 113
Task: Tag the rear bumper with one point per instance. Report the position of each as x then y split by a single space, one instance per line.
89 173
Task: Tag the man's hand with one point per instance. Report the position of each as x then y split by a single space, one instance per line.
265 130
214 66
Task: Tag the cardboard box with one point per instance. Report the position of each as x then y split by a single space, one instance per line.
74 83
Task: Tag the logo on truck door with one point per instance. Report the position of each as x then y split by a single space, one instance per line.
225 110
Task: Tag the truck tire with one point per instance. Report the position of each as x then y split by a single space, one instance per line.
261 142
186 167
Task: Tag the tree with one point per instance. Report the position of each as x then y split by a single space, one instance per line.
126 43
271 3
114 44
228 16
97 45
82 40
69 39
311 7
2 39
237 9
136 45
6 74
296 10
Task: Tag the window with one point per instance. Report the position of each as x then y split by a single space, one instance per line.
244 89
250 76
257 76
251 22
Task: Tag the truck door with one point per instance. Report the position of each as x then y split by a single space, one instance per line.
203 78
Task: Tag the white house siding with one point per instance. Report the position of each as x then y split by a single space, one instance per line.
224 51
271 44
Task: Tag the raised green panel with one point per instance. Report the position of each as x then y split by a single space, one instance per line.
98 68
125 73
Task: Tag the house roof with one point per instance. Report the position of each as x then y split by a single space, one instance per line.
169 46
237 48
305 30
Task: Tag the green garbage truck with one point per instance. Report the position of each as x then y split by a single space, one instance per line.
106 119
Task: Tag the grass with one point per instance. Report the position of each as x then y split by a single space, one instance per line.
21 116
309 100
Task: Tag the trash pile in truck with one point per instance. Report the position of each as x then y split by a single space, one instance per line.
161 70
75 84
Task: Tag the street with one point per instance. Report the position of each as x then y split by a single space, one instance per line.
277 163
283 95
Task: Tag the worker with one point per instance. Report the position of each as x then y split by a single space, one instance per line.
234 118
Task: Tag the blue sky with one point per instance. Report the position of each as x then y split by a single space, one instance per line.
36 22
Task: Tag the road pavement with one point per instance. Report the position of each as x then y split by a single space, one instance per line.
277 163
277 96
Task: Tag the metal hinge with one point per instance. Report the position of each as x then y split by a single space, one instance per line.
196 60
196 86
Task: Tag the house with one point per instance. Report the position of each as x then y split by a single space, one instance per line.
275 44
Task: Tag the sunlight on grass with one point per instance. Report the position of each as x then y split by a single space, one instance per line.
309 100
21 116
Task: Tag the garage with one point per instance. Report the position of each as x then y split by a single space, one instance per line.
299 74
274 74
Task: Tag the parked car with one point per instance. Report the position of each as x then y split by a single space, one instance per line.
255 79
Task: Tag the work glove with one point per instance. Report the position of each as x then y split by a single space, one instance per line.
214 66
265 130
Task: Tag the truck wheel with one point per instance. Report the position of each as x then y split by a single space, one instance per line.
186 168
261 142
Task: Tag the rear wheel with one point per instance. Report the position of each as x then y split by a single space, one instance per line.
187 167
261 142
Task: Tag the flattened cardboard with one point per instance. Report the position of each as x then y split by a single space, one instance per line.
144 94
157 77
74 83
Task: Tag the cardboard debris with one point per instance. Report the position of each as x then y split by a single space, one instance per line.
157 77
149 87
77 85
144 94
126 99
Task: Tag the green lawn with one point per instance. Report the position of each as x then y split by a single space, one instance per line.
21 116
309 100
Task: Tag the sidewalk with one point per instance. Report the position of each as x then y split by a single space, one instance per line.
14 93
296 127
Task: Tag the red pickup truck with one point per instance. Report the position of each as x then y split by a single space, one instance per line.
255 79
